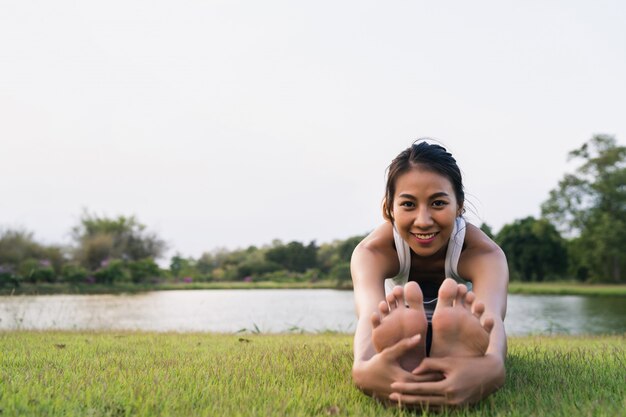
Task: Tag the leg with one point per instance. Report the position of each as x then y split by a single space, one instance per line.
457 328
396 322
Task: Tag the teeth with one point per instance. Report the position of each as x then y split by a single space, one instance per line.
424 236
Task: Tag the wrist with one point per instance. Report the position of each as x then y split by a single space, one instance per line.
357 372
498 368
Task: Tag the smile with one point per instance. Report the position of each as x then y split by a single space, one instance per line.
424 236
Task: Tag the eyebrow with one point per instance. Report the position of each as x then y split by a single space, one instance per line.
435 195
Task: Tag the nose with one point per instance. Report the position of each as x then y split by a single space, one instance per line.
423 220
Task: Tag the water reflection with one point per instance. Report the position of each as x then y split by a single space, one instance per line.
279 311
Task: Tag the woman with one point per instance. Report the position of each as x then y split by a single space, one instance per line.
424 240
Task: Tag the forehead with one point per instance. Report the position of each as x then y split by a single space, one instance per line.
420 181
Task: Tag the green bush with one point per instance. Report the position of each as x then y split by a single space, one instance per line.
7 277
74 273
341 272
112 271
34 270
143 270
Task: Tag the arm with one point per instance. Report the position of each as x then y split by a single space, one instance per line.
469 380
373 260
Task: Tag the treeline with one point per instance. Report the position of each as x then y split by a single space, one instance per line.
581 235
120 250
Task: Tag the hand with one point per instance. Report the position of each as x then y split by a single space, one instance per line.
466 380
376 375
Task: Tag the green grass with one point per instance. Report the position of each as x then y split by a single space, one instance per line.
567 288
156 374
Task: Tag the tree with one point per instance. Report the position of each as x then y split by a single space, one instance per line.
102 238
590 205
25 259
294 256
534 249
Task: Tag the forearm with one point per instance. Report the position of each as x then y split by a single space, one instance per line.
497 340
496 351
363 347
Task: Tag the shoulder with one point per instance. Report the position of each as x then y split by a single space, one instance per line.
479 251
379 247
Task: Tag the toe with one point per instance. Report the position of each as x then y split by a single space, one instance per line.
398 292
391 301
478 309
395 298
447 293
461 291
375 320
383 308
470 297
488 324
413 295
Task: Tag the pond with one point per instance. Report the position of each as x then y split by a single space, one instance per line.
275 311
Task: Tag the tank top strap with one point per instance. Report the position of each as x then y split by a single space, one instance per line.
455 246
404 259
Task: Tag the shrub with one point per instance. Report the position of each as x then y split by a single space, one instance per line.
143 270
74 273
34 270
111 272
341 272
7 277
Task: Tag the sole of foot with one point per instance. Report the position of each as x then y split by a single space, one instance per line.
401 316
459 328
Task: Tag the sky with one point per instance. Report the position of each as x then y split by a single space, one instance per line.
226 123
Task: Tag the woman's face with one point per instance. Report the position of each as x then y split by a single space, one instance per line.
424 210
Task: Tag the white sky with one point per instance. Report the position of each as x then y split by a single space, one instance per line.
231 123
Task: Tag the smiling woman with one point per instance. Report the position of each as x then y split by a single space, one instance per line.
440 339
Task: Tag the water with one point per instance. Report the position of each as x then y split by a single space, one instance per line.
270 311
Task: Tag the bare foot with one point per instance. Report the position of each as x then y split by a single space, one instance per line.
457 328
396 322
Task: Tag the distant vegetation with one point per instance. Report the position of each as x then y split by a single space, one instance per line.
581 236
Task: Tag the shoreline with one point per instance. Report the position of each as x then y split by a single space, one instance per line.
545 288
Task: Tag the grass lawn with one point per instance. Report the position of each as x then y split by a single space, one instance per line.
567 288
169 374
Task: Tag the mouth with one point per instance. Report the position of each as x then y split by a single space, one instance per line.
425 237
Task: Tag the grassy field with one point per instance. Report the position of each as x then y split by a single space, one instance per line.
548 288
156 374
567 288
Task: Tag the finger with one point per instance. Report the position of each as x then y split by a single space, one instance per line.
402 346
423 400
426 377
430 365
420 388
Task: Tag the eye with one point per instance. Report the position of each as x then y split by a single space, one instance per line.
440 203
407 204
